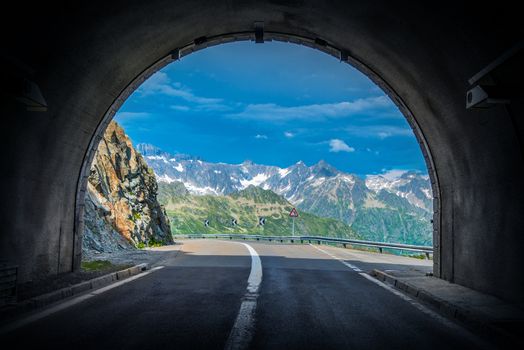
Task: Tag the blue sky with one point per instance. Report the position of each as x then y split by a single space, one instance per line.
272 103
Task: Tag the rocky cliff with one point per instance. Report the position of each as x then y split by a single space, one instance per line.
122 210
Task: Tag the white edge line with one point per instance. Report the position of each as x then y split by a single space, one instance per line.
69 303
481 344
398 293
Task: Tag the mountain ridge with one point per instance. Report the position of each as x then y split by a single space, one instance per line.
367 204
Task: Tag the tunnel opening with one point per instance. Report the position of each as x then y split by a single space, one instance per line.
204 42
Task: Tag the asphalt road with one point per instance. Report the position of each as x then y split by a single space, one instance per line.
308 299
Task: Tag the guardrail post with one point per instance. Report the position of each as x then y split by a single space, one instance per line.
292 241
380 250
344 244
302 241
318 242
230 237
427 255
281 241
258 239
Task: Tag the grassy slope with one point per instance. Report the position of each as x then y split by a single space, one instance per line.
187 214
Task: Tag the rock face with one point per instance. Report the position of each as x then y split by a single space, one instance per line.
122 210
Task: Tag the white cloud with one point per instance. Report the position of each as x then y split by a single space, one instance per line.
160 83
393 174
336 145
274 112
379 131
179 108
289 134
258 136
132 115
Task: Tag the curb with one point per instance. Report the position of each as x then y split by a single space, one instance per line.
477 323
51 297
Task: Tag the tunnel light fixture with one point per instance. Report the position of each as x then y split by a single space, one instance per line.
498 82
32 97
259 32
175 54
344 56
484 97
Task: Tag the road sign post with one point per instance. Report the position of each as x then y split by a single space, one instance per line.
293 214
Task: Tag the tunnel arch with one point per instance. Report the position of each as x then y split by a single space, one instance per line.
425 52
205 42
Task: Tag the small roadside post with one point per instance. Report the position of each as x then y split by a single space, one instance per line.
261 223
293 214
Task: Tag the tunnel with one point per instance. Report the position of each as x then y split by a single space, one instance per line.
453 69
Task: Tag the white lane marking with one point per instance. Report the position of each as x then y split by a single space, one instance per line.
69 303
255 276
478 342
409 300
416 304
243 329
353 267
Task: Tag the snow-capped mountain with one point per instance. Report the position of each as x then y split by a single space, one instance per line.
320 189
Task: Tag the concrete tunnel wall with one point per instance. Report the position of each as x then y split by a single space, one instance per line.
83 58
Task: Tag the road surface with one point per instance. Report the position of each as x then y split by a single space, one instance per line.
298 297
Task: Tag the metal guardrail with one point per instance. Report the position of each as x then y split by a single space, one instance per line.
352 242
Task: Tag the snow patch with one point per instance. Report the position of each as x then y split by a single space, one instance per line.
165 178
200 191
347 178
283 172
255 181
162 158
318 182
179 168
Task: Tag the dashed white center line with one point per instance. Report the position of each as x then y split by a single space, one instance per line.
353 267
244 327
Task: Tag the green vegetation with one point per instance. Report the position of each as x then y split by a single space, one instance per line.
188 213
393 225
96 265
151 243
135 216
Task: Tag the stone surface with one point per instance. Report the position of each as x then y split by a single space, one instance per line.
121 202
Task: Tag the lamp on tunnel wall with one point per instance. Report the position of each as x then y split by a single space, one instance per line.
499 82
19 86
259 32
485 96
29 94
175 54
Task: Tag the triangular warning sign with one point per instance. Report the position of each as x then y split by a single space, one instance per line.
293 213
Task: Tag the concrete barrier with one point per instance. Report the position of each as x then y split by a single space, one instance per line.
485 322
